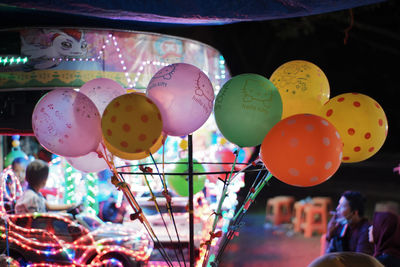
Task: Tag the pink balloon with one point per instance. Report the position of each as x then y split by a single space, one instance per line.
184 95
101 91
90 162
67 123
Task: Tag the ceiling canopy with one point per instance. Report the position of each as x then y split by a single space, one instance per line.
193 12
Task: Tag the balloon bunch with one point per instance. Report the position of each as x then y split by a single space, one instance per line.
304 135
100 121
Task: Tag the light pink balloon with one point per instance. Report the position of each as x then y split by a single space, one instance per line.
90 162
101 91
184 95
67 123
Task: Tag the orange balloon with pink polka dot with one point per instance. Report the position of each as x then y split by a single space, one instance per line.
131 123
361 123
302 150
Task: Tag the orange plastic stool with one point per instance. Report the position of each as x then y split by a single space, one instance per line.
316 219
323 244
298 215
279 209
325 202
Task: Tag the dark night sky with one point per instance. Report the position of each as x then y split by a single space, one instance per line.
368 63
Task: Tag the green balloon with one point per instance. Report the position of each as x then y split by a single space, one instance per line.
246 108
180 184
16 152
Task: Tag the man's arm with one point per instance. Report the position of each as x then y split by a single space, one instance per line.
59 207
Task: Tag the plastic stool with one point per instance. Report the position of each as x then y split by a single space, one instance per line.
323 244
298 215
279 209
316 219
325 202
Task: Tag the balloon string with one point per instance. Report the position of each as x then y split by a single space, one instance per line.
159 174
234 227
218 212
163 157
253 195
154 199
125 188
255 182
135 206
224 190
168 204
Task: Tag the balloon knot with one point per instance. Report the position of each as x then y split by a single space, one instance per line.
167 196
248 203
212 236
137 215
164 138
146 169
117 183
216 234
217 214
114 180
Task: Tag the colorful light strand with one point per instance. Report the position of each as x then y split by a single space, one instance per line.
45 242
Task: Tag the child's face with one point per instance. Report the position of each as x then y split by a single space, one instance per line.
43 184
19 170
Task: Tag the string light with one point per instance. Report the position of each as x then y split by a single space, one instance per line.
143 65
45 242
13 60
9 180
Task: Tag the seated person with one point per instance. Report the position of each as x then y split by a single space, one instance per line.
385 234
19 168
345 259
348 228
32 200
14 183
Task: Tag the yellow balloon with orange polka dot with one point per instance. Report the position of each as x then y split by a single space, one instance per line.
361 123
131 123
303 87
136 156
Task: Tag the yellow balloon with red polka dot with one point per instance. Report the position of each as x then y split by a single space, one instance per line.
361 123
131 123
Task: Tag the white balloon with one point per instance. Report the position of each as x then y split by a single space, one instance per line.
67 123
90 162
101 91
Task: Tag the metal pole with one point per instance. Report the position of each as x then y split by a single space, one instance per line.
191 220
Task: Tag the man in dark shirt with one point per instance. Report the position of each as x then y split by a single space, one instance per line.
348 229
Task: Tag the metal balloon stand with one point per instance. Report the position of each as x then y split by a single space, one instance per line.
191 219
